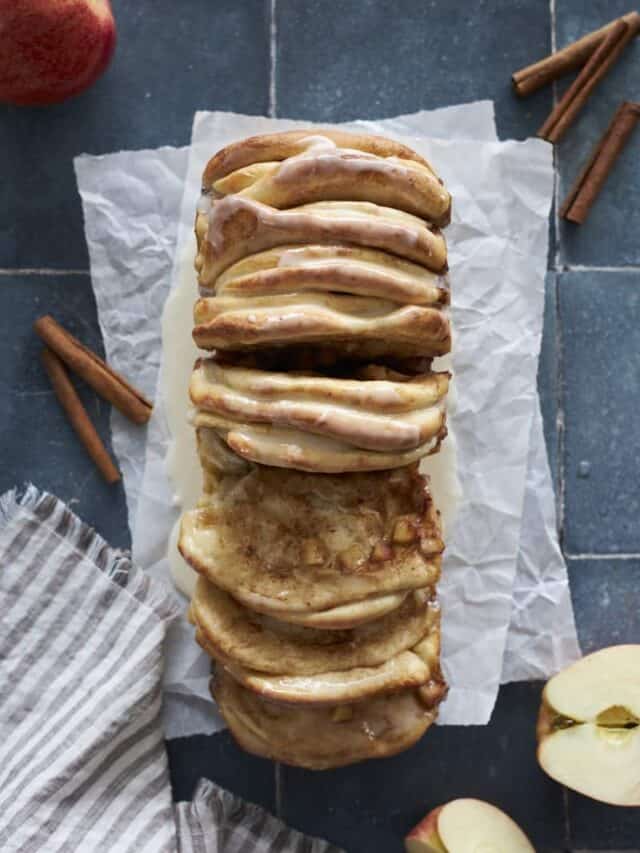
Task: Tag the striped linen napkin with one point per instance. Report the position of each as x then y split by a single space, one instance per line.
82 758
219 821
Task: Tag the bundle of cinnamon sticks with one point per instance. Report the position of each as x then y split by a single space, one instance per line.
595 54
61 349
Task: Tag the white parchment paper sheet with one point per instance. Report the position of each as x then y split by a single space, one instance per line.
132 202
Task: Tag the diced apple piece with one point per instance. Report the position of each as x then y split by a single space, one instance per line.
467 826
588 732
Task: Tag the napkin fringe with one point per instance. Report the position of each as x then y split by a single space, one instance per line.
113 562
218 811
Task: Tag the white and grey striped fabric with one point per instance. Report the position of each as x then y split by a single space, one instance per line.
82 760
218 821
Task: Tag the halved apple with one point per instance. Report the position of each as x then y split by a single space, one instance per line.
589 726
467 826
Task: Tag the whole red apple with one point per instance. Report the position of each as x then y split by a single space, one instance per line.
52 49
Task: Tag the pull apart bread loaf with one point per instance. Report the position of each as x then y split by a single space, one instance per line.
323 300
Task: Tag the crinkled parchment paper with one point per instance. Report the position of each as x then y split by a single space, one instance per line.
504 587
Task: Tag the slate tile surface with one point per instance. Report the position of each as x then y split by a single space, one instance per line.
37 443
610 237
171 59
372 807
600 316
601 827
606 600
217 757
338 60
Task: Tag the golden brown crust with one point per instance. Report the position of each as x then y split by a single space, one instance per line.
364 327
233 633
346 616
280 146
374 415
339 175
279 447
321 738
236 227
404 671
333 269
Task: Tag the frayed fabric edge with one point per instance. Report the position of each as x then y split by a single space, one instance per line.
219 807
112 562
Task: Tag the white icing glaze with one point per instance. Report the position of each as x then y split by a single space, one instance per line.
183 576
362 223
203 205
183 465
227 322
362 423
332 162
442 467
288 448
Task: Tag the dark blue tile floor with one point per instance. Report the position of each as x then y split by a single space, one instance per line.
333 60
337 59
600 329
37 443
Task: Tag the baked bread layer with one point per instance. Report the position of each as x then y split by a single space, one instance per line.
282 540
332 160
380 415
236 635
321 738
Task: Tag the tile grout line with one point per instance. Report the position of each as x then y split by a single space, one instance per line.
567 819
560 418
559 395
9 271
594 557
556 168
6 271
592 268
560 369
273 34
556 295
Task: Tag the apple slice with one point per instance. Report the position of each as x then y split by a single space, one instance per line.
467 826
588 727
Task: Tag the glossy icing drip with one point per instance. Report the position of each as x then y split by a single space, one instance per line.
239 226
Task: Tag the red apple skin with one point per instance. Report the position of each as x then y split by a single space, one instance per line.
52 49
427 829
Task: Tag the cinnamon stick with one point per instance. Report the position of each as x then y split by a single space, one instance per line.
77 414
589 182
576 96
569 58
96 372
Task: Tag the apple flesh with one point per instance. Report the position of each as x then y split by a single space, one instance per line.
588 727
467 826
53 49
